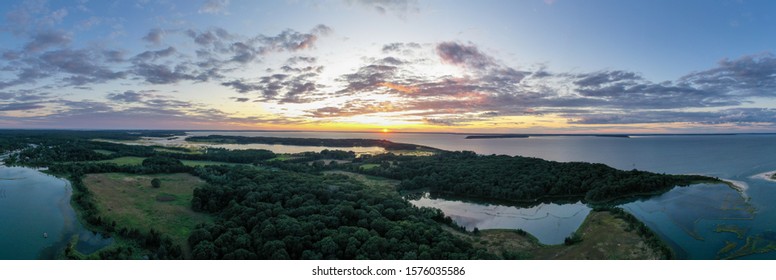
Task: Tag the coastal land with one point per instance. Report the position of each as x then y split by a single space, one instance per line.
162 202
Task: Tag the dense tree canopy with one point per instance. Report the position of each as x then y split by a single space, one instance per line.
521 178
287 215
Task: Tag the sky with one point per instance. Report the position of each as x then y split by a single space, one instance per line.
543 66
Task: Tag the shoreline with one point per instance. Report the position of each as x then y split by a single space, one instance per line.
739 186
767 176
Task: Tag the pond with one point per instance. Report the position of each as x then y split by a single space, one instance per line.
38 220
551 223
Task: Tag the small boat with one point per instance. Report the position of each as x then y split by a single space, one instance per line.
45 235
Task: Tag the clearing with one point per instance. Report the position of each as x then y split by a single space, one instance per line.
604 237
131 202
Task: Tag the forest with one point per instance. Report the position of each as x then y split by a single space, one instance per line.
522 178
272 206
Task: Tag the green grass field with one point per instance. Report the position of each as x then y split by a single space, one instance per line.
368 166
131 202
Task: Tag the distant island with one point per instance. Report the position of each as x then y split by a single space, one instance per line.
497 136
319 142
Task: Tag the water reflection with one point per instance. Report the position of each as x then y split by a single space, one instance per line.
551 223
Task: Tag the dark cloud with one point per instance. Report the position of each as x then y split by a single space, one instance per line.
127 96
243 53
463 55
242 99
368 77
47 39
315 69
290 40
400 47
154 55
242 87
301 59
748 76
20 106
154 36
598 79
83 64
282 88
161 74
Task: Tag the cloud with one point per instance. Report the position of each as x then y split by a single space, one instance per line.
401 47
155 113
490 90
30 16
113 56
154 36
161 73
214 7
463 55
726 116
282 88
127 96
301 59
47 39
290 40
596 79
83 65
154 55
748 76
399 7
20 106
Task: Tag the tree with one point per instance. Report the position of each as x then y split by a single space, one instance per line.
156 183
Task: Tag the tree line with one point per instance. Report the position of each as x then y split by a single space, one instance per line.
522 178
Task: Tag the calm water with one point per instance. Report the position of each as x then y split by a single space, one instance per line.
33 203
551 223
288 149
692 219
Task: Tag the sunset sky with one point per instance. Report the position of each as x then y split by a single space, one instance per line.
552 66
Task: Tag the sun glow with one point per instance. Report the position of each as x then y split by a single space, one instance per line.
385 130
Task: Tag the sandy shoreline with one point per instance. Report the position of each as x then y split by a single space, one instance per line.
739 186
767 176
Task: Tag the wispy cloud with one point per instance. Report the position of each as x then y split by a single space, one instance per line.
214 7
398 7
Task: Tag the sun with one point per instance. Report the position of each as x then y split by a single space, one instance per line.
385 130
